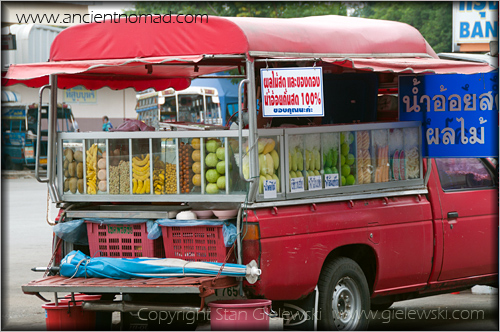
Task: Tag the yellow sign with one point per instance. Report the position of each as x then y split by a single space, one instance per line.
79 95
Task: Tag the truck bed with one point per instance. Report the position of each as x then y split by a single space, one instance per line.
181 285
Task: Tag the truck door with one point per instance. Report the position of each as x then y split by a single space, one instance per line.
469 202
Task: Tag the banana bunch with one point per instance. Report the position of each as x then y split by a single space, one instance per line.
159 181
91 161
140 175
158 176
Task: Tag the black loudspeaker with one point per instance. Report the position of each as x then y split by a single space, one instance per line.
350 98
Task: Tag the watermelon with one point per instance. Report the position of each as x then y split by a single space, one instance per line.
395 165
402 168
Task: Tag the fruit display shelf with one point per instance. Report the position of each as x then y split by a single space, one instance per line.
200 166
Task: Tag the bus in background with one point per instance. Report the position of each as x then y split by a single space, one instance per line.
19 129
194 104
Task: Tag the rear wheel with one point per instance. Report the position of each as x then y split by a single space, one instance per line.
344 298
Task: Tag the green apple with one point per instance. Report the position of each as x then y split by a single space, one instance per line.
221 167
221 182
212 188
212 175
212 145
221 153
211 159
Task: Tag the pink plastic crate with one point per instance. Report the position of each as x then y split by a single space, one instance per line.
122 241
195 243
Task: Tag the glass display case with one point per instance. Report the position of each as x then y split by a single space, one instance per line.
269 147
95 167
157 166
352 158
204 166
73 167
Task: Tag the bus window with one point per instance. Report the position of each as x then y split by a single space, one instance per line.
212 111
168 111
191 108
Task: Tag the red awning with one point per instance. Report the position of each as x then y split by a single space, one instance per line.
413 65
115 74
320 35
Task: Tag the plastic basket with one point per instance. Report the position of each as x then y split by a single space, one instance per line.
194 243
122 241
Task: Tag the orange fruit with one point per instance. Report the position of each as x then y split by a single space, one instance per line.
196 155
197 180
195 143
197 167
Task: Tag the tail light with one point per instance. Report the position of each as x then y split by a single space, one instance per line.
251 243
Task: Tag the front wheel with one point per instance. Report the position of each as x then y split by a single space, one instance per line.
344 297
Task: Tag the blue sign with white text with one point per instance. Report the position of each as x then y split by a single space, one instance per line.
459 113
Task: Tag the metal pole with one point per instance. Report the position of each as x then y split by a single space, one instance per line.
39 136
252 126
51 139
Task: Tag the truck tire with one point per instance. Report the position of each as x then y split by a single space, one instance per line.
344 297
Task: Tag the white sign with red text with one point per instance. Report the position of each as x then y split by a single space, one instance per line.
292 92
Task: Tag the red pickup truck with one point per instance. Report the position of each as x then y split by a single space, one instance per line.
381 250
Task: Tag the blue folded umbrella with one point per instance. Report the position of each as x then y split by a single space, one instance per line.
77 264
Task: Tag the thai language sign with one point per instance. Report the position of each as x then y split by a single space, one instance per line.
292 92
79 95
459 113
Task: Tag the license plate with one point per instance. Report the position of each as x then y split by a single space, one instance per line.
29 152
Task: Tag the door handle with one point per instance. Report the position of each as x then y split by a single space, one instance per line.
452 215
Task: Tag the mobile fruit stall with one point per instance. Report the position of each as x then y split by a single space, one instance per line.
340 208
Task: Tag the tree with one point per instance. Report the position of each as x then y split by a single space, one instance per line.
432 19
243 9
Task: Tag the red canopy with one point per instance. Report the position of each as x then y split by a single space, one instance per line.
121 54
412 65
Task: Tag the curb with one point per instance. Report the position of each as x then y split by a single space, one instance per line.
18 175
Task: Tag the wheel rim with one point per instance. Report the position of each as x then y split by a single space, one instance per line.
346 304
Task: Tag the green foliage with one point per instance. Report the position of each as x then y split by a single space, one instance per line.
243 9
432 19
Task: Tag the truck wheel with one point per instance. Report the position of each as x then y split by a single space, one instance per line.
344 298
